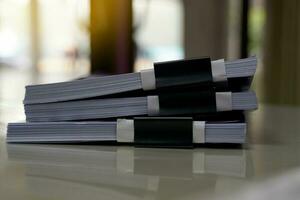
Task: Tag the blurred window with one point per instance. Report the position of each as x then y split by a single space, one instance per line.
257 15
64 35
158 31
14 33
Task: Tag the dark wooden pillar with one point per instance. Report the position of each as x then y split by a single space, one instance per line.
111 36
244 28
206 24
281 64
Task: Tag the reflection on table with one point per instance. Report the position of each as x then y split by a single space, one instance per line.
126 172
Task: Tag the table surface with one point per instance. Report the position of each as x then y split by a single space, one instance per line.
266 168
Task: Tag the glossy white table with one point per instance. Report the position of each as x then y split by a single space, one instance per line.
268 167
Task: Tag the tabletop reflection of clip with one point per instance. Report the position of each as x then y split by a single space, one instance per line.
151 162
108 171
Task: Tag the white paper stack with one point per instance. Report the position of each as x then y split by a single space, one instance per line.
76 132
107 85
117 107
158 107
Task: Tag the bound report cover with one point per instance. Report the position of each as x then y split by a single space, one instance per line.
164 104
233 75
142 131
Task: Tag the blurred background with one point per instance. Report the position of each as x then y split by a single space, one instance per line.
44 41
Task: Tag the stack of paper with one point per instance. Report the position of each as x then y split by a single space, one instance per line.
176 104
